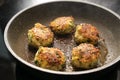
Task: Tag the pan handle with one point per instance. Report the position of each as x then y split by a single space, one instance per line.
118 71
7 68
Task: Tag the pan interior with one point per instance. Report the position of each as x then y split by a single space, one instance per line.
106 23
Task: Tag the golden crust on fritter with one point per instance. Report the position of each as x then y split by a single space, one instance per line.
86 33
40 35
50 58
62 25
85 56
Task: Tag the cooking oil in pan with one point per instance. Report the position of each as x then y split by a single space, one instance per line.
67 43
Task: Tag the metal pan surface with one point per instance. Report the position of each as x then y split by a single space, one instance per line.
107 22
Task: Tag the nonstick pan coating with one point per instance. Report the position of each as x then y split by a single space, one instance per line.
106 21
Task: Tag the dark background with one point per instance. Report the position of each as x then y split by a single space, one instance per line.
10 68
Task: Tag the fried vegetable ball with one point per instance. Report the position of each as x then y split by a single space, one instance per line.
62 25
50 58
40 35
85 56
86 33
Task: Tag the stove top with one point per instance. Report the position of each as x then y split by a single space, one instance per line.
10 68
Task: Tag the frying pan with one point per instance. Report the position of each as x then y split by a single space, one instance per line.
106 21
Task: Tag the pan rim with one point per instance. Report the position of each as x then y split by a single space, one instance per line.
51 71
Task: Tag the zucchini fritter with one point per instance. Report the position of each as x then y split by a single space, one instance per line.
62 25
86 33
40 35
85 56
50 58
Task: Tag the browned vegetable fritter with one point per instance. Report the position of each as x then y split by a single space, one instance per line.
62 25
86 33
85 56
50 58
40 35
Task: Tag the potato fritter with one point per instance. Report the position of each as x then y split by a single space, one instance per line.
85 56
40 35
62 25
86 33
50 58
